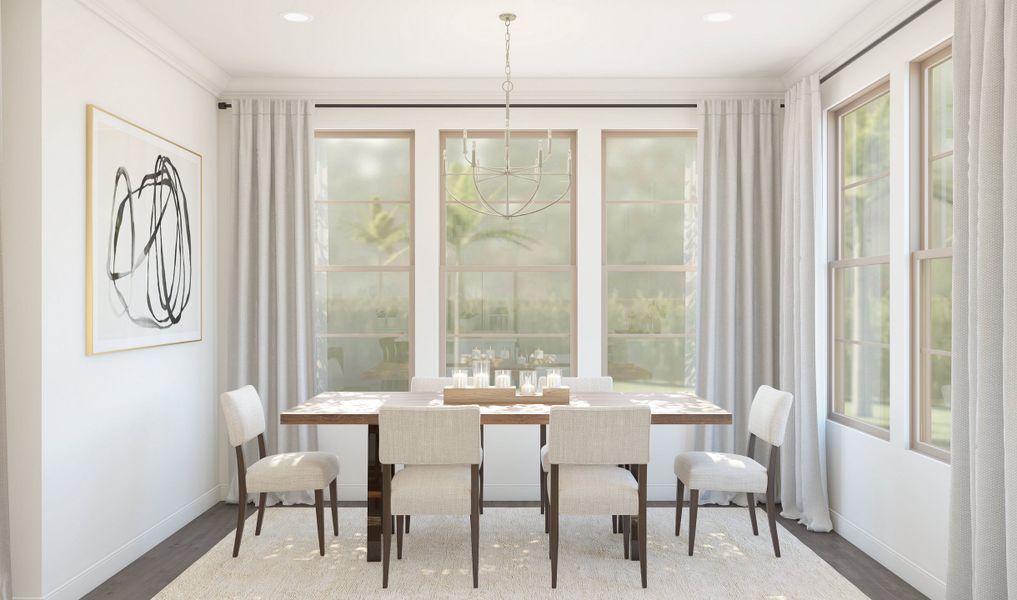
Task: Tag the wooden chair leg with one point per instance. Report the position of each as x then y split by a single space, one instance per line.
625 522
334 493
319 516
475 525
399 537
481 469
241 517
642 523
554 525
262 498
386 523
771 516
679 502
547 511
540 470
407 523
752 512
614 523
693 510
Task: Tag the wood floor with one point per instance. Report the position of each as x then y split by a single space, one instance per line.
146 576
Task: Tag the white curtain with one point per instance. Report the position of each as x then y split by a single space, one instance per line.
802 472
739 191
270 335
983 513
6 592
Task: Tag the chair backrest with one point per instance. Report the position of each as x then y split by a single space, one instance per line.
430 384
429 435
245 417
769 413
599 435
588 384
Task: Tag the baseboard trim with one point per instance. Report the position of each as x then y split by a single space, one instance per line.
918 577
112 563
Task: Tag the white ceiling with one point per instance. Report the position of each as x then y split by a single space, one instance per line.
464 38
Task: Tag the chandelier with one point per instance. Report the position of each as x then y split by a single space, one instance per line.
527 177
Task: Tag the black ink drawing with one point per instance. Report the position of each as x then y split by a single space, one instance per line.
156 254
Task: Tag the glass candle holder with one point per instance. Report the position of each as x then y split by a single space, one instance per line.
481 373
460 378
502 379
554 378
528 383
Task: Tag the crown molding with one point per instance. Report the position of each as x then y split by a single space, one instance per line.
483 90
876 19
148 31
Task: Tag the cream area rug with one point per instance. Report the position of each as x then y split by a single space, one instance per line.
729 562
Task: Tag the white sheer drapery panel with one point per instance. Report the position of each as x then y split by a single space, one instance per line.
803 490
983 491
270 330
739 169
6 590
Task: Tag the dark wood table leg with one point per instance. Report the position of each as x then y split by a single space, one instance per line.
633 524
374 507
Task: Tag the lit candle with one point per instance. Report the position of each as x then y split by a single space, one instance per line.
553 380
502 379
526 389
480 380
460 379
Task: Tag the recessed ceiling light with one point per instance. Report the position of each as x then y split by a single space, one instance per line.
718 17
296 17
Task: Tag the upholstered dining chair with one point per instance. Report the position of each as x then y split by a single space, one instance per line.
288 472
724 472
435 385
439 447
585 447
575 384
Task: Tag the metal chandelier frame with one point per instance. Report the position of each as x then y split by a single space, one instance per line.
481 174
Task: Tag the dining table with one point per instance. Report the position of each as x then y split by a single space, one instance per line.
361 408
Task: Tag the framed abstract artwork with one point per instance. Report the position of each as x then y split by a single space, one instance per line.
143 238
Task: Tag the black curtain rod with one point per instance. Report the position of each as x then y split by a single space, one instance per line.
225 105
921 11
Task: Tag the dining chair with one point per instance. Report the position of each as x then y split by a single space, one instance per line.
585 447
439 447
435 385
288 472
724 472
575 384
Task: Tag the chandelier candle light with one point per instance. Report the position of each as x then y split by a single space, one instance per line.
529 175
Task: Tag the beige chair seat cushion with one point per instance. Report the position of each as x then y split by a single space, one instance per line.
431 490
721 472
292 471
596 490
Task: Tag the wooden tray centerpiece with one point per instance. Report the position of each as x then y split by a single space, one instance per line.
503 396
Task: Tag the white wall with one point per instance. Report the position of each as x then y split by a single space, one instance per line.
888 500
127 447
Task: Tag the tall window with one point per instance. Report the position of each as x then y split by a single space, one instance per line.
860 271
649 267
363 260
508 285
933 261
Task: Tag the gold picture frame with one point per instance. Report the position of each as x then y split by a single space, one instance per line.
143 287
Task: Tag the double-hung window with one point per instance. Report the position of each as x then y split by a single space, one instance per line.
649 266
933 260
363 260
508 285
860 269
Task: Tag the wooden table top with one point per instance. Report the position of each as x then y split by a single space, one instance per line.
361 408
